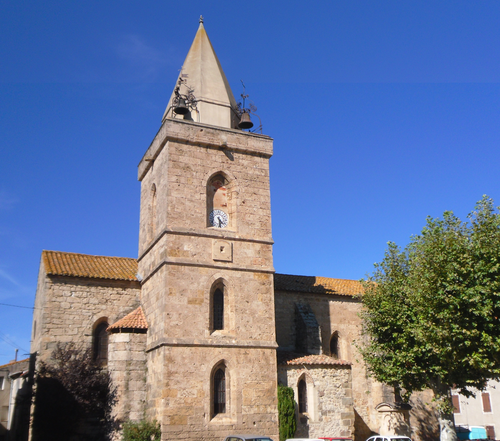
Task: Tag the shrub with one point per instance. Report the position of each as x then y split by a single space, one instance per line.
286 412
141 431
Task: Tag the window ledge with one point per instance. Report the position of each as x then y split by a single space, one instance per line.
222 419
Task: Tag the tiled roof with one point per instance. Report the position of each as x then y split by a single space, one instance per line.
10 363
135 320
319 285
125 268
85 265
291 359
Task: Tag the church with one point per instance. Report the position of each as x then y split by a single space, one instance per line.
199 330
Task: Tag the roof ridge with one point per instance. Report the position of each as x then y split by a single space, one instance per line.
86 254
317 277
319 285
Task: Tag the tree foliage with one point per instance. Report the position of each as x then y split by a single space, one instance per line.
74 397
286 412
141 431
431 310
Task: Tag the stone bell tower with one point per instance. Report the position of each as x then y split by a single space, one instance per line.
205 260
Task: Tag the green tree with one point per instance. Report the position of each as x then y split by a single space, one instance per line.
286 412
431 310
74 397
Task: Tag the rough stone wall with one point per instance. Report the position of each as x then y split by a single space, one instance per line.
181 400
180 264
184 312
330 404
308 331
335 314
180 161
127 367
69 307
181 358
39 314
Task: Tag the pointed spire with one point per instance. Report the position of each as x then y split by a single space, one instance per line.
203 77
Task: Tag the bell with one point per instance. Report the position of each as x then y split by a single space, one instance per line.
181 108
245 121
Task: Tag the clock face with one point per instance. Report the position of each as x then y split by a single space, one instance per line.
219 219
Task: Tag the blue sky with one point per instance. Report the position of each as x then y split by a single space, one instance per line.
382 113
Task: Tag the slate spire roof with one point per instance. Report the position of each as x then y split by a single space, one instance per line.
203 73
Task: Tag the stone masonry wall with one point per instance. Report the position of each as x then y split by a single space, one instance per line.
127 367
71 307
180 264
330 404
335 314
179 163
39 311
181 399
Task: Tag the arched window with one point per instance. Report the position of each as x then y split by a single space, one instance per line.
334 345
218 309
219 209
218 303
302 389
219 391
100 343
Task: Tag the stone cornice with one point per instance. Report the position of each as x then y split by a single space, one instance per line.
210 234
218 343
206 265
188 132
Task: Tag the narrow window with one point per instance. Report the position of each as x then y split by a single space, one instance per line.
218 309
486 402
455 401
302 396
152 214
219 391
100 347
334 345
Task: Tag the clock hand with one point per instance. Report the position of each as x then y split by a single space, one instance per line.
220 222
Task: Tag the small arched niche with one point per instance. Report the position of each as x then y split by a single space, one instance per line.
100 341
334 345
220 202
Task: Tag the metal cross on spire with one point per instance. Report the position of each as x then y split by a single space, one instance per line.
201 18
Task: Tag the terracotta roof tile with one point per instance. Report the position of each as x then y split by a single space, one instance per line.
319 285
85 265
10 363
125 268
291 359
135 320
